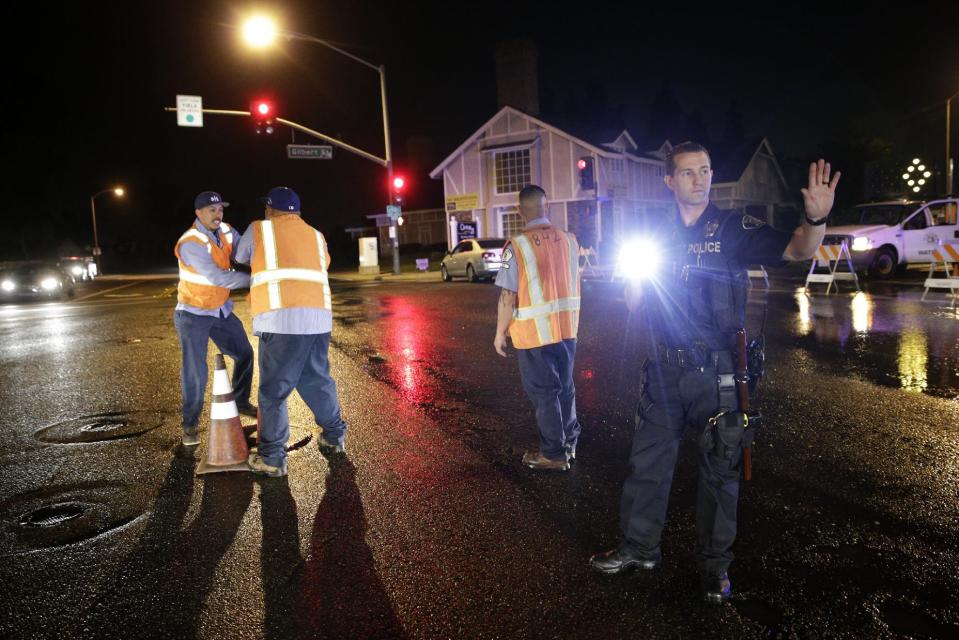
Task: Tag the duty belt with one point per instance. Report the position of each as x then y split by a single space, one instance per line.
694 357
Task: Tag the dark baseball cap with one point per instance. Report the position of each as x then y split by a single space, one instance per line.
282 199
206 198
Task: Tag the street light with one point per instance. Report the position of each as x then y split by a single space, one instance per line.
948 149
260 31
118 192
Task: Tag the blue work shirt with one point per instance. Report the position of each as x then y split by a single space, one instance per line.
508 276
294 321
196 256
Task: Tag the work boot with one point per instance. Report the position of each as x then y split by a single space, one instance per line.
247 410
327 446
536 460
717 589
622 559
259 466
191 436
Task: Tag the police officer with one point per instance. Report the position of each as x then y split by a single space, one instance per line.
695 303
539 311
293 317
204 310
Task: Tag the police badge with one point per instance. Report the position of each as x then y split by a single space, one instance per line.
711 228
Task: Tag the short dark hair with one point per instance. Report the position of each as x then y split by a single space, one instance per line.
680 149
531 191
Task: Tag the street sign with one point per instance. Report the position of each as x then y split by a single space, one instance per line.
393 211
189 111
309 152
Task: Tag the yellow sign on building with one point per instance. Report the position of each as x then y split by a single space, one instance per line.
462 202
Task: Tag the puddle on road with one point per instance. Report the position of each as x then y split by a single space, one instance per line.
101 427
52 517
898 342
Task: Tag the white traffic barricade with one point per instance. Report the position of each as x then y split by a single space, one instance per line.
757 271
830 257
945 256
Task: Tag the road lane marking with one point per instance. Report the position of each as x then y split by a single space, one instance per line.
100 293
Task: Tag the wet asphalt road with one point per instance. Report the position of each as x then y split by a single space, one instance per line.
431 528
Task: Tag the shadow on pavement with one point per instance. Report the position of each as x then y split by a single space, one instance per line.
161 589
343 596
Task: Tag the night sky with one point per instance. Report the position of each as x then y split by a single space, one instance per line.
86 84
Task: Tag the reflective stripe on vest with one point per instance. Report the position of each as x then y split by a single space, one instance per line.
195 278
269 254
193 233
321 245
547 308
535 289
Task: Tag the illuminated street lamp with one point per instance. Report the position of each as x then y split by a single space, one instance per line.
259 32
118 192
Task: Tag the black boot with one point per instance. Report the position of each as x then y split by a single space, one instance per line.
717 589
622 559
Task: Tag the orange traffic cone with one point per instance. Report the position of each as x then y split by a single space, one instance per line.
227 449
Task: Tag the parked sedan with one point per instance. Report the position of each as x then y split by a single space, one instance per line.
35 280
473 259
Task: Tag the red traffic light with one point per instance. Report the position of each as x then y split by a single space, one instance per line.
263 108
398 183
581 164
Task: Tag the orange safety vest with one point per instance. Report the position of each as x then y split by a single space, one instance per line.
194 289
547 303
290 260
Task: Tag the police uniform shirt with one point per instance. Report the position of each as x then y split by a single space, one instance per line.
720 245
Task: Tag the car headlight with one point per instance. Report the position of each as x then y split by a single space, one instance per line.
49 284
8 285
861 244
77 270
638 259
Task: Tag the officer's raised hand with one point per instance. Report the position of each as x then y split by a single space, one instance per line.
821 192
818 196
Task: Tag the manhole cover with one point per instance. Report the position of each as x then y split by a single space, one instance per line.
58 515
52 515
101 427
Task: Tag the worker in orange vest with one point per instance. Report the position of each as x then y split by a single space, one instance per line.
204 310
293 317
539 312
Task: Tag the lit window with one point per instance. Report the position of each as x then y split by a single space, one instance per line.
513 224
512 171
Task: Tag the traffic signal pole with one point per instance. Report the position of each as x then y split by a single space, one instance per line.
394 229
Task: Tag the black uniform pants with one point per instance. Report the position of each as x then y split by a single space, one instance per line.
673 399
